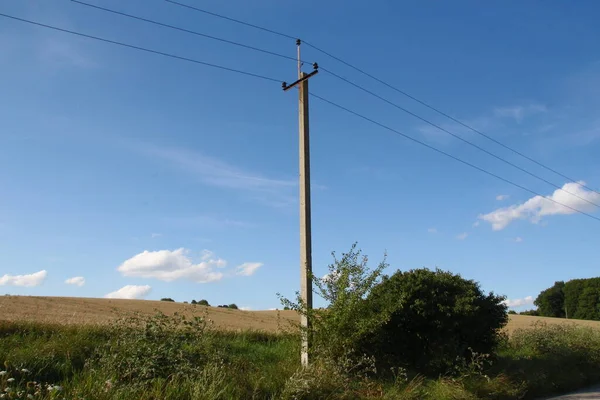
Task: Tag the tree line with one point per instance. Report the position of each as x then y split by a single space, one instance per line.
577 299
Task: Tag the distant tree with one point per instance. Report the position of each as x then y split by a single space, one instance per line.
533 313
185 302
194 302
204 303
551 302
233 306
512 312
223 306
167 299
286 308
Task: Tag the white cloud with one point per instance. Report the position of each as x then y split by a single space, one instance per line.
537 207
519 112
30 280
519 302
475 224
156 235
130 292
518 239
77 280
432 230
502 197
168 266
247 269
462 236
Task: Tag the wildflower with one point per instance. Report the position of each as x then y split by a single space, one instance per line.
10 380
25 371
2 373
30 396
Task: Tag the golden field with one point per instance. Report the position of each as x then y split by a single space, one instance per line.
79 310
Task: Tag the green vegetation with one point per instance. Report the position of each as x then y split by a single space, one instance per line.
167 299
576 299
551 302
418 334
171 358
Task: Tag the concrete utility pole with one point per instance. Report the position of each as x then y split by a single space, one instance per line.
305 225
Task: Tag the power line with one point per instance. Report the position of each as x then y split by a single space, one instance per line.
187 30
389 86
141 48
449 155
457 136
337 76
232 19
448 116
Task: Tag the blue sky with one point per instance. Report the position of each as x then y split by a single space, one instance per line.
171 179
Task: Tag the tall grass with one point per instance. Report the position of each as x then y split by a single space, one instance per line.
175 358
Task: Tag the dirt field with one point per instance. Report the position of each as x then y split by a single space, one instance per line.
75 310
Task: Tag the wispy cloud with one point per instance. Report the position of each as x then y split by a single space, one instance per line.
502 197
432 230
215 172
538 207
519 112
206 221
29 280
156 235
518 239
462 236
247 269
76 280
61 53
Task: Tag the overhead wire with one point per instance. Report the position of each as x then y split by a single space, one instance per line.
141 48
207 36
457 136
404 93
449 155
312 94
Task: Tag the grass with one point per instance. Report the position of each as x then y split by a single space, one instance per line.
184 358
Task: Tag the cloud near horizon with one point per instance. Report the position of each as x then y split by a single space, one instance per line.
167 265
538 207
130 292
519 302
30 280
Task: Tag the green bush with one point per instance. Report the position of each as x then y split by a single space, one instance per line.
338 330
159 348
167 299
204 303
437 318
233 306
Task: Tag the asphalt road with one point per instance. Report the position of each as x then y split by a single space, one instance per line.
587 394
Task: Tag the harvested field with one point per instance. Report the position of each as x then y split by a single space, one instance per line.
78 310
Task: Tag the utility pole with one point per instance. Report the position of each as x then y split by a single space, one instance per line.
305 220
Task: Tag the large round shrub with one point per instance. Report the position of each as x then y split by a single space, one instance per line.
437 318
